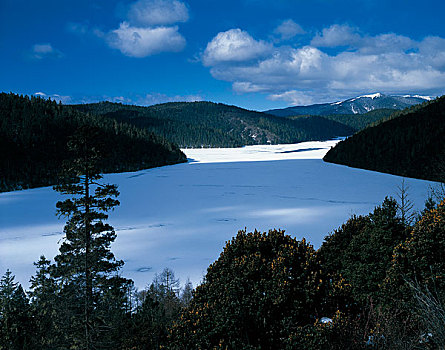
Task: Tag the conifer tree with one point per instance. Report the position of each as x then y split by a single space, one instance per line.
47 307
15 315
85 264
187 293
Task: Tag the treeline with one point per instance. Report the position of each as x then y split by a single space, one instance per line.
207 124
34 134
409 143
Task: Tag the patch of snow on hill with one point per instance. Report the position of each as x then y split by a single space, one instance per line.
426 98
372 96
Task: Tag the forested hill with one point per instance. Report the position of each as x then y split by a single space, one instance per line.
207 124
410 143
34 134
357 121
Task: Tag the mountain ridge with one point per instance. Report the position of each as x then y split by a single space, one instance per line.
356 105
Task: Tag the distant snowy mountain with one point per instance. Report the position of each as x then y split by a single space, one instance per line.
357 105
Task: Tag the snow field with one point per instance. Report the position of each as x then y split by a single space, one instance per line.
181 216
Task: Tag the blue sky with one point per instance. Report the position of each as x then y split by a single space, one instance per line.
255 54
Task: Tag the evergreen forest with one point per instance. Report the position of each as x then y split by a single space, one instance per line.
33 142
207 124
408 143
359 121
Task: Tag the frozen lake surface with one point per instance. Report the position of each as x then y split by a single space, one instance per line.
181 216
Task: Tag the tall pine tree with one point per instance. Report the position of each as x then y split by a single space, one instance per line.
85 265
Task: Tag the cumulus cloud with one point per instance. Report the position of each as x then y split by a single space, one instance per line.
386 62
142 42
345 35
42 51
432 49
288 29
233 45
157 12
336 35
147 30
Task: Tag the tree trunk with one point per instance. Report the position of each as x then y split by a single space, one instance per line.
88 286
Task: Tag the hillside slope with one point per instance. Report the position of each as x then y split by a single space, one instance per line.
357 121
411 143
34 134
207 124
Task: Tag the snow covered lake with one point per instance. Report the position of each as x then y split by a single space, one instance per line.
181 216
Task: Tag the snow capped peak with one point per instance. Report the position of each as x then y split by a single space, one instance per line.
426 98
373 96
336 103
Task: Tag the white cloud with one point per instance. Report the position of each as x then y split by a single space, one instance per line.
147 30
344 35
336 35
246 86
156 98
385 43
55 97
283 69
234 45
142 42
157 12
42 51
389 63
294 97
433 49
131 99
288 29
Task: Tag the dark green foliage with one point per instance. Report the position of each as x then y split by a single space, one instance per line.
16 322
206 124
51 324
361 250
34 134
419 260
85 266
160 308
362 121
338 290
263 287
410 143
